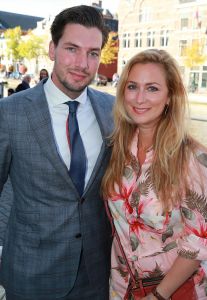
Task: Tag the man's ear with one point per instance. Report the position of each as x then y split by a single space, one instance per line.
52 51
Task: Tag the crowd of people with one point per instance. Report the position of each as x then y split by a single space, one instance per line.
109 194
26 80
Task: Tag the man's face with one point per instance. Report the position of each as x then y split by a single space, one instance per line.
76 58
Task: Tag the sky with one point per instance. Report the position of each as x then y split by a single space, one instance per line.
44 8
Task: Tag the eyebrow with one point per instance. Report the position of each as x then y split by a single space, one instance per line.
77 46
148 83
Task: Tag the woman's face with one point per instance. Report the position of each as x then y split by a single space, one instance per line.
146 94
43 74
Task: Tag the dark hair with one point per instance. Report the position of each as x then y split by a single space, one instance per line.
10 91
45 71
87 16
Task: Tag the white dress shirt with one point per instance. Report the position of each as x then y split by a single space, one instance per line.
88 125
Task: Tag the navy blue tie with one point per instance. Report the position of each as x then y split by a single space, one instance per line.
77 169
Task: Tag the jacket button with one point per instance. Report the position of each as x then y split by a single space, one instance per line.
78 235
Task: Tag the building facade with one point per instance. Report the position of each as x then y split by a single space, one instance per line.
41 28
173 25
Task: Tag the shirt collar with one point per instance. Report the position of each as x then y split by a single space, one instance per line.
55 96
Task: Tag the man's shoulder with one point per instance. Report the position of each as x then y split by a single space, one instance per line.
23 95
101 95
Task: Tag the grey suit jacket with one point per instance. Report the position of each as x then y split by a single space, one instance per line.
6 201
49 224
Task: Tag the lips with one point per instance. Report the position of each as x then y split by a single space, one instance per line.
140 110
78 76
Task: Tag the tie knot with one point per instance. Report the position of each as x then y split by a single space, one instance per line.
73 105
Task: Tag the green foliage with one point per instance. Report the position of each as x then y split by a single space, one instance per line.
194 55
110 51
13 39
32 47
21 45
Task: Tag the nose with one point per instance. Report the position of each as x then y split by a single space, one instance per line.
140 97
82 61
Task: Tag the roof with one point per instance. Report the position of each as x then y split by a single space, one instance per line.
11 20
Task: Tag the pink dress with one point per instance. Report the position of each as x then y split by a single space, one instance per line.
152 240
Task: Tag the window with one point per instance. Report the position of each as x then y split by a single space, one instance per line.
184 23
204 80
186 1
150 39
145 15
126 40
182 46
164 38
138 39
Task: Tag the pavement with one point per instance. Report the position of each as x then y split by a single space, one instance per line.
199 98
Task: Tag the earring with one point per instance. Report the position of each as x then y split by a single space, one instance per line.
166 108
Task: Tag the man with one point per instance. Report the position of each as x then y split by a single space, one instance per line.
24 84
58 239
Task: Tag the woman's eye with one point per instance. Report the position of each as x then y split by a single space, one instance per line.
131 87
152 89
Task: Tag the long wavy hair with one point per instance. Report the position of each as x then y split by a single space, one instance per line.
172 143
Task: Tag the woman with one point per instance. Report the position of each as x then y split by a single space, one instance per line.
156 184
43 74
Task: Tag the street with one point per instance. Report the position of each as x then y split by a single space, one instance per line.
198 110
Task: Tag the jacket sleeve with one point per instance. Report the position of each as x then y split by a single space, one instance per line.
6 194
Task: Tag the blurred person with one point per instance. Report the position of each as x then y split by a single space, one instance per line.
115 79
10 91
43 74
58 238
24 84
155 187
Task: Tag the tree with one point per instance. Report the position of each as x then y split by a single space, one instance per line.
194 54
32 48
110 50
13 39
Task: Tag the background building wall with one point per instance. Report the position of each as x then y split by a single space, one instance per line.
165 24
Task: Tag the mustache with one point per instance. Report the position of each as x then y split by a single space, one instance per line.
81 71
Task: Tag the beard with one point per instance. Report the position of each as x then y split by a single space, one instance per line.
75 87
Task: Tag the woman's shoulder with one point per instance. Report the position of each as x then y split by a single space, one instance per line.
198 151
201 154
201 157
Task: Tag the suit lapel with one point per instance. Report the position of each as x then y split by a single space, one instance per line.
40 121
103 113
37 111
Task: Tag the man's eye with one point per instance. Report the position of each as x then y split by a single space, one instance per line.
94 54
152 89
71 49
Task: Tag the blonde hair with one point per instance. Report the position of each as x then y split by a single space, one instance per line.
172 144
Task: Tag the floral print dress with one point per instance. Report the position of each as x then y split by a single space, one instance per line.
152 240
